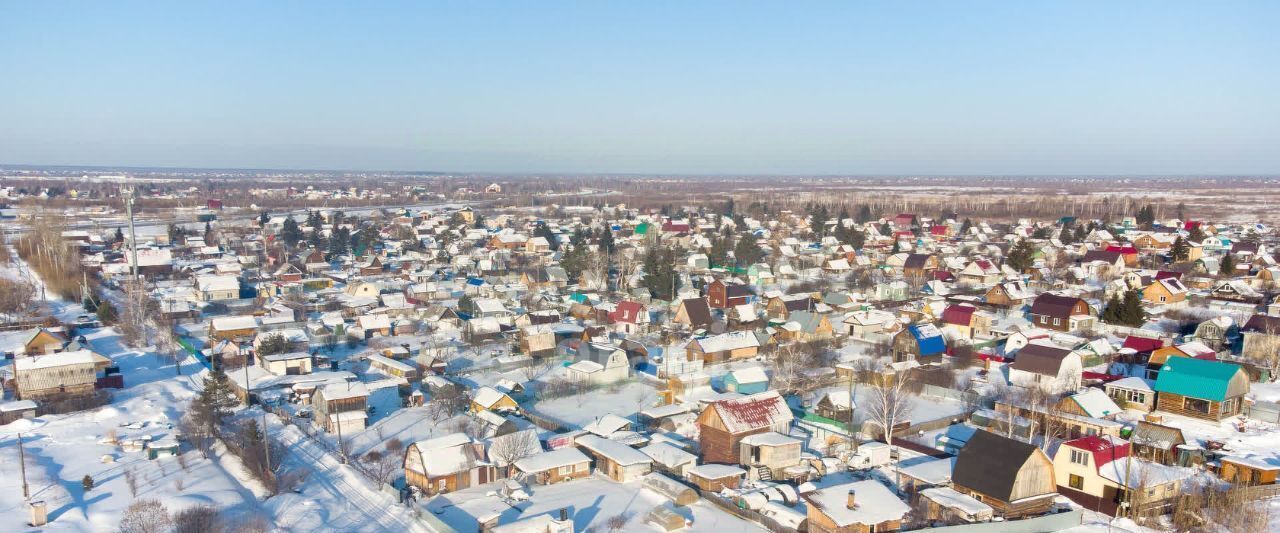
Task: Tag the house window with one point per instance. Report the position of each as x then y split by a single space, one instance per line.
1044 320
1162 298
1075 482
1196 405
1079 457
565 470
1057 321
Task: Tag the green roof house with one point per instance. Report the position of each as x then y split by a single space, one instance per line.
1200 388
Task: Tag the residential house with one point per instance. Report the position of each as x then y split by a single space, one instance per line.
1010 294
599 363
491 399
58 376
919 342
1060 313
723 295
694 313
1209 390
215 288
446 464
546 468
341 407
723 424
1097 473
614 459
724 347
1015 478
1261 337
1050 368
857 507
750 380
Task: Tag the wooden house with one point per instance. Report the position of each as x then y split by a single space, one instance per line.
1156 443
857 507
724 347
1011 294
694 313
491 399
1015 478
564 464
233 328
919 342
1164 292
1249 471
614 459
723 424
446 464
41 341
723 295
58 376
341 407
715 477
1208 390
771 456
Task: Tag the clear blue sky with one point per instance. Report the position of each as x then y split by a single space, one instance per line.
895 87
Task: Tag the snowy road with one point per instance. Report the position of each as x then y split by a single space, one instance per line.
337 497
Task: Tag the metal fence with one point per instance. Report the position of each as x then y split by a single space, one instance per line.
1264 411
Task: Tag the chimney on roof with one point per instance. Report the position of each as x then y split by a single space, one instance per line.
852 502
564 514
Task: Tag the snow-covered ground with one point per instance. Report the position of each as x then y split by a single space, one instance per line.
591 502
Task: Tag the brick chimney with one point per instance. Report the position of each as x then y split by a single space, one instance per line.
564 514
852 502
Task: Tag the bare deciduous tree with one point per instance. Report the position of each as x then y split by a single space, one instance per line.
513 447
889 403
145 516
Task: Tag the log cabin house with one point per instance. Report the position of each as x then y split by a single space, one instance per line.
1208 390
551 467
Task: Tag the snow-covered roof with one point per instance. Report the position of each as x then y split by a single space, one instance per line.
615 451
733 340
231 323
1096 403
873 503
769 438
343 391
77 357
552 459
487 396
949 497
668 455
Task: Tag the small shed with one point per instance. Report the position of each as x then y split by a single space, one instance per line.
673 490
750 380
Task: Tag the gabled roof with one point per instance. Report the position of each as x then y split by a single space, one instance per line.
959 315
1040 359
989 464
1142 344
1103 449
753 412
1197 378
1054 306
929 339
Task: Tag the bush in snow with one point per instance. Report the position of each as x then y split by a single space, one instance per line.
145 516
87 482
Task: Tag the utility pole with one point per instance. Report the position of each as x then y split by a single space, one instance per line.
22 463
127 192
